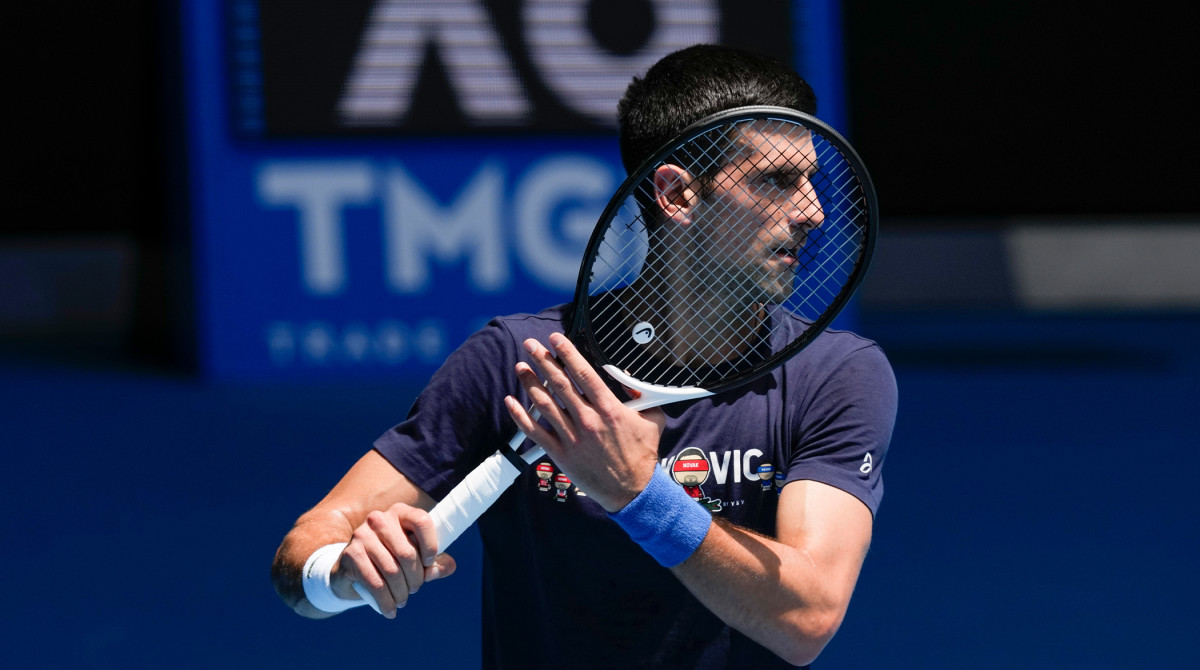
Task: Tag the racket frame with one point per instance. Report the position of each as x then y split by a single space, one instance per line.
578 323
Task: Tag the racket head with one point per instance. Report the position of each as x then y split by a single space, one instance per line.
726 252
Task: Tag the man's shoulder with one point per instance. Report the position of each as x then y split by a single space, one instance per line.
554 315
834 347
524 325
844 340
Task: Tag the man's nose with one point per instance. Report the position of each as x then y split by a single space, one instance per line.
806 211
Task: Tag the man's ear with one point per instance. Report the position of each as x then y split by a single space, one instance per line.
674 193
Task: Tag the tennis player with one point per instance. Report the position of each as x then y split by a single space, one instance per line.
744 575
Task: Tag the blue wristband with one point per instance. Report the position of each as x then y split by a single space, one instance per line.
665 521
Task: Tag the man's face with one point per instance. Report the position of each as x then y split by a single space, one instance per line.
755 214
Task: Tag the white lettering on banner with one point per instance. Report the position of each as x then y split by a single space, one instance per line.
566 55
418 228
319 191
389 62
319 343
356 343
591 79
583 185
555 205
316 342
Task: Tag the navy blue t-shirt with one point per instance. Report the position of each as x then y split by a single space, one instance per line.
562 583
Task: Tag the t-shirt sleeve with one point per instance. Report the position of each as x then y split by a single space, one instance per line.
843 432
459 418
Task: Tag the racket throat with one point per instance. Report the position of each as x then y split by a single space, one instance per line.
651 395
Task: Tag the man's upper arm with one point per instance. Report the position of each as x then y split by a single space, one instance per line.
832 527
373 484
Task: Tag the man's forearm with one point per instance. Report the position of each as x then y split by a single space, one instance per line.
790 593
784 597
313 530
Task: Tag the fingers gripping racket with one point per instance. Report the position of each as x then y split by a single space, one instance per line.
720 257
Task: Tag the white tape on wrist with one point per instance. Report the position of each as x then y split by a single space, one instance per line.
315 579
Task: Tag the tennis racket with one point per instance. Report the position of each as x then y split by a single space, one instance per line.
722 256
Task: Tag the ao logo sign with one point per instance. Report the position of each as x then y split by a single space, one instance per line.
561 39
545 222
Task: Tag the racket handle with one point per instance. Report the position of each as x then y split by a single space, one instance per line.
487 482
463 505
475 494
368 599
470 499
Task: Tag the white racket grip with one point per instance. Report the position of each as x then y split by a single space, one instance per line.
471 498
368 599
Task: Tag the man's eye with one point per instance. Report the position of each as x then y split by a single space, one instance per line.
783 181
777 179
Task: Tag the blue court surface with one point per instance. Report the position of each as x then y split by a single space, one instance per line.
1039 509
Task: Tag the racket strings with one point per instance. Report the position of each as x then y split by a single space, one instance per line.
843 192
675 298
643 362
703 351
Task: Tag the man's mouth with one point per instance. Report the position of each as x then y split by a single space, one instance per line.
788 253
789 250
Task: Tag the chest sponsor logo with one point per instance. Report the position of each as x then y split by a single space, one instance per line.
693 469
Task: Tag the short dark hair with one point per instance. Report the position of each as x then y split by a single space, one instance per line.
690 84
